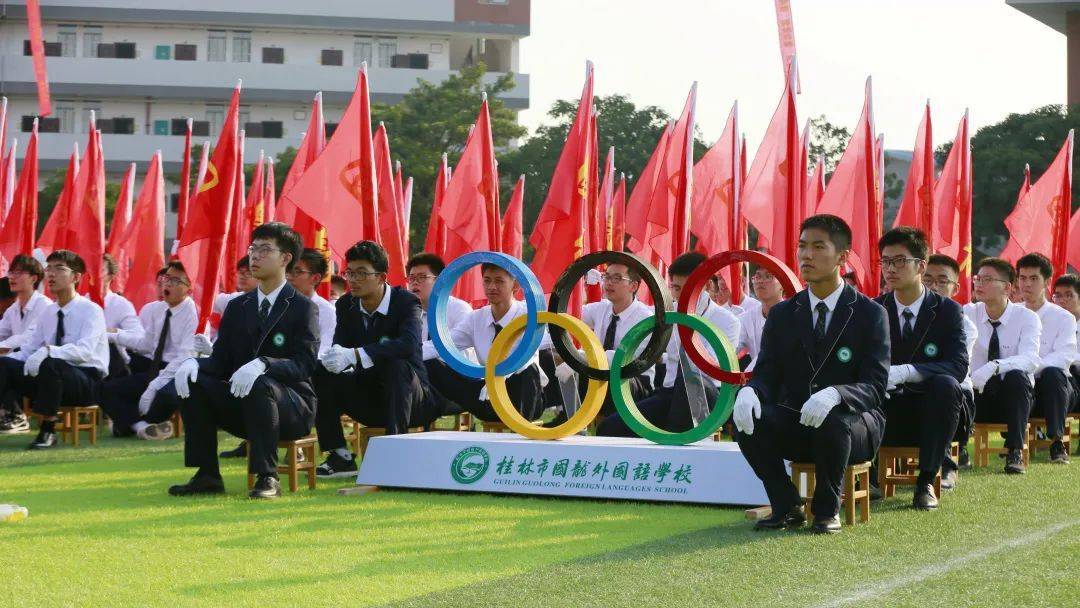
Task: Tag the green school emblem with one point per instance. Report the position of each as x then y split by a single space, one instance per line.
279 339
930 350
844 354
469 465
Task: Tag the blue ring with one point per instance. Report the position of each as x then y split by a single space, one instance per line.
439 331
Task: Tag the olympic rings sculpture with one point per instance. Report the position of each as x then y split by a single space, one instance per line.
505 358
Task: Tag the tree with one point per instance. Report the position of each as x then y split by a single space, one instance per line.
50 192
828 140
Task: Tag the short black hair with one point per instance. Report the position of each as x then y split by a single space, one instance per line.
686 264
1036 260
176 265
940 259
5 289
630 271
30 265
111 267
1068 280
912 239
338 281
244 263
486 266
837 229
287 239
1004 268
431 260
371 252
69 258
315 261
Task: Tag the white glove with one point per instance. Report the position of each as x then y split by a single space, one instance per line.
244 378
202 345
111 336
563 372
338 359
34 361
187 373
981 376
898 374
747 408
147 399
483 393
593 277
817 407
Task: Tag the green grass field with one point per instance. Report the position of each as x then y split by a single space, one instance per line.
103 532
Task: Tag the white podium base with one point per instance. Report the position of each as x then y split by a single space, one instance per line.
596 467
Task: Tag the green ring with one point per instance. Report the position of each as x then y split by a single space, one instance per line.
624 401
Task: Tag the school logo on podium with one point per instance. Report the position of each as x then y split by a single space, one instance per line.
469 465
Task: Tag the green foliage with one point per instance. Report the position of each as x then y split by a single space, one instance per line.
828 140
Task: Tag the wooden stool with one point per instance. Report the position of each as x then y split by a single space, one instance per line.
859 472
1036 443
982 443
458 422
293 466
899 466
498 427
74 420
362 434
177 425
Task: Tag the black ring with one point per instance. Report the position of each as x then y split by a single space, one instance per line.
661 303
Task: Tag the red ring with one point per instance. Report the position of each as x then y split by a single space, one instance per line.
696 282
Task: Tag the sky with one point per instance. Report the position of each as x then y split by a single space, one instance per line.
978 54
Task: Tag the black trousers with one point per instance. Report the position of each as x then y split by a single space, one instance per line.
1006 401
523 387
927 419
58 384
388 394
666 408
844 438
439 374
965 425
552 393
117 367
271 412
1053 400
120 400
640 387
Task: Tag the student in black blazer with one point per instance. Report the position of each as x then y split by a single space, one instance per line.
374 372
929 360
256 383
819 382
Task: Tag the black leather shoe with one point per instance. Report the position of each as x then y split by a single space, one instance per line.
1014 462
1058 453
239 451
266 486
924 499
43 441
964 462
949 480
794 518
199 484
875 493
826 526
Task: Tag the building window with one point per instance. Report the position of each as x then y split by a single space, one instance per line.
362 51
88 107
244 116
91 38
215 116
66 38
65 113
387 50
332 57
241 47
273 55
215 46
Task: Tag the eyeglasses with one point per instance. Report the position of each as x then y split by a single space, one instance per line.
17 274
938 282
296 272
979 280
761 278
57 269
258 251
171 281
896 262
351 275
615 278
416 279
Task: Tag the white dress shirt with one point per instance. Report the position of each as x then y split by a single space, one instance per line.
830 301
1057 342
971 334
84 343
751 326
734 309
456 310
179 343
750 304
18 322
369 317
597 316
477 331
327 322
1018 337
120 312
718 316
221 301
272 296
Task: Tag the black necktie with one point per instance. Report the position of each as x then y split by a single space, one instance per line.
497 327
907 329
155 366
59 328
819 326
609 335
264 310
993 353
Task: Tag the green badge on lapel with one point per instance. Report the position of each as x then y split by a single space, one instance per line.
383 339
279 339
930 349
844 354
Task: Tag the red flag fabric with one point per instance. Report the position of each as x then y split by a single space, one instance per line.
815 187
513 231
435 241
773 189
1012 250
209 214
311 145
804 169
1040 221
668 232
339 190
144 235
54 236
37 51
390 214
17 231
854 195
269 199
785 26
637 207
234 238
185 183
618 216
399 207
254 205
717 184
121 219
86 224
604 198
917 204
952 207
7 181
408 211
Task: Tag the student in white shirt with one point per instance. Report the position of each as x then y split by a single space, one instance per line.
1067 296
1006 356
306 275
669 407
338 287
63 362
17 325
769 292
1057 351
119 314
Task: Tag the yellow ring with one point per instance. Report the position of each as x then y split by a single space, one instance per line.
500 399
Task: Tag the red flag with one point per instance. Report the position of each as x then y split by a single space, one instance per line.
339 190
185 183
717 182
604 198
1040 221
54 236
254 204
785 26
917 204
17 232
618 216
952 206
390 214
121 219
473 191
5 161
1012 250
804 169
435 241
269 199
7 181
637 207
86 224
408 210
144 235
512 221
209 213
772 190
311 145
668 233
399 207
854 196
815 187
235 241
37 50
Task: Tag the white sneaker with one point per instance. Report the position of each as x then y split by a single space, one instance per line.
156 432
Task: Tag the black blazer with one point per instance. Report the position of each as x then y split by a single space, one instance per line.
855 359
288 343
394 336
939 347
